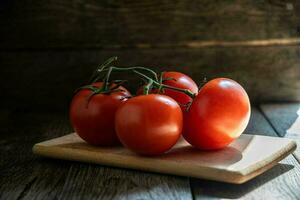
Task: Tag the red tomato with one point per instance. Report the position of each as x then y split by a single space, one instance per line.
93 121
149 124
180 81
218 115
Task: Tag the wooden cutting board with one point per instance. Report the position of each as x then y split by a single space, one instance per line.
244 159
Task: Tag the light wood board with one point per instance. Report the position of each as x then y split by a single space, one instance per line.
244 159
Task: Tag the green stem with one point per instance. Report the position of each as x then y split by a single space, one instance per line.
107 78
102 67
150 80
161 82
106 63
112 68
148 87
157 84
143 68
187 92
134 68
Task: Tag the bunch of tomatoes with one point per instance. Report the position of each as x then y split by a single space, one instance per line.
165 107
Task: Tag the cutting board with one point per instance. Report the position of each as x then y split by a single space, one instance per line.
244 159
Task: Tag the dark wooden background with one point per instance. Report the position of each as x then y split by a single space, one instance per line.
49 48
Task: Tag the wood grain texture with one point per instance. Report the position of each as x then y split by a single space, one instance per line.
94 182
20 130
25 176
134 24
268 73
50 47
282 116
280 182
16 180
20 169
241 161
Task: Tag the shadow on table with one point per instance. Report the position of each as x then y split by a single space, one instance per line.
232 191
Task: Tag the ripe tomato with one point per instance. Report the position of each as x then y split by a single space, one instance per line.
178 80
149 124
93 121
218 115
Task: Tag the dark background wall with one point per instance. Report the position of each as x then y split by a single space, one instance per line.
49 47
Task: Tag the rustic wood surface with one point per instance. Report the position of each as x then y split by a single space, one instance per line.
244 159
48 48
51 47
94 182
25 176
282 117
144 24
270 73
20 170
271 185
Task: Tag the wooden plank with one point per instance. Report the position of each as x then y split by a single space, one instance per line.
241 161
282 116
21 130
25 176
280 182
285 176
34 179
135 24
51 84
94 182
20 169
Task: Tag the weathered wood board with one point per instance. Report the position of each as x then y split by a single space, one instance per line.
283 117
244 159
29 177
208 38
268 67
147 23
280 182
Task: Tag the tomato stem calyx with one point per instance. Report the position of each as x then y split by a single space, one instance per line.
101 90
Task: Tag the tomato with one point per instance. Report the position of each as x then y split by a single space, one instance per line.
93 121
218 115
178 80
149 124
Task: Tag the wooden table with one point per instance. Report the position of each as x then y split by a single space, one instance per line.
26 176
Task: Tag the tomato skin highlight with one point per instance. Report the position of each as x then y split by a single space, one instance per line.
93 121
218 115
149 124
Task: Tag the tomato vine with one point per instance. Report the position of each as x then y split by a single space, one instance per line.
151 81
